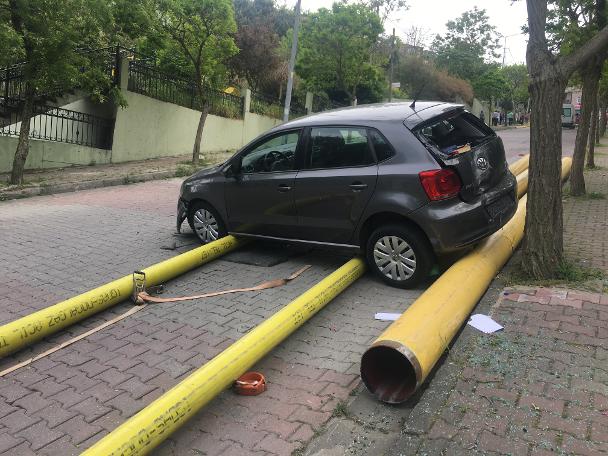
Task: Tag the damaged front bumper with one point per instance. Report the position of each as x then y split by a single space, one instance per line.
182 213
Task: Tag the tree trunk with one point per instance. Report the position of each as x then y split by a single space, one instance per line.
196 150
597 125
603 120
543 246
543 243
23 145
590 85
592 134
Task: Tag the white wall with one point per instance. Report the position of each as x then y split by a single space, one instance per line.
150 128
146 128
50 154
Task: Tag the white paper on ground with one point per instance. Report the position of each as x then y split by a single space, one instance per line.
387 316
484 323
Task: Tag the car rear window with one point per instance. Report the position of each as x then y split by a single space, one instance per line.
456 134
338 147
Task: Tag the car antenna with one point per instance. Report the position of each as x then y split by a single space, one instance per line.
413 105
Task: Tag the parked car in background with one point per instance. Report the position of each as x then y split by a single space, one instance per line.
400 182
568 116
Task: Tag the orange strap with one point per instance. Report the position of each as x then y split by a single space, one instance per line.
147 298
29 361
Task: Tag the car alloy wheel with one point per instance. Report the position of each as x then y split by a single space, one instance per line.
395 258
206 226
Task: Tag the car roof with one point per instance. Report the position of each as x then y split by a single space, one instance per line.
371 114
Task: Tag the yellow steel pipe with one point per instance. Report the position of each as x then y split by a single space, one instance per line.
522 183
29 329
401 358
520 165
144 431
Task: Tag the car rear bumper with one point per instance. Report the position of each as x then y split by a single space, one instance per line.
453 224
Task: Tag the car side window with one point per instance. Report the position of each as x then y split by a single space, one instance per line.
381 146
275 154
338 147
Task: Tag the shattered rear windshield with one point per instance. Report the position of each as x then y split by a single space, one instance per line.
456 135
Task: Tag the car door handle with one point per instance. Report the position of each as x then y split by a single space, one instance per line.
283 188
358 186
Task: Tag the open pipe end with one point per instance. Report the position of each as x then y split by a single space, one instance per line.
390 372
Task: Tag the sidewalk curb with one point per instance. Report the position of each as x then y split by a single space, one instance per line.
509 127
84 185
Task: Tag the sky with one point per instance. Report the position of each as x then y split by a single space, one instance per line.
507 16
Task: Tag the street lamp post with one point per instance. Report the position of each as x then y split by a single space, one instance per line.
390 81
292 63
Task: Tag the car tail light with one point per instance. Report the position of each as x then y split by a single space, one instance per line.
440 184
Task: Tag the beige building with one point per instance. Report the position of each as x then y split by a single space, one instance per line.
573 95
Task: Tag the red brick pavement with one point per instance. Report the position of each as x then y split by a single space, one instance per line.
538 387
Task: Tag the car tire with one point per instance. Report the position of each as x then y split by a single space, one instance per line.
399 255
206 222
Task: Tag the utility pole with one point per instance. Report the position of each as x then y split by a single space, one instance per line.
292 63
390 82
504 47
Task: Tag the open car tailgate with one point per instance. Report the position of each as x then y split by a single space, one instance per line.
461 141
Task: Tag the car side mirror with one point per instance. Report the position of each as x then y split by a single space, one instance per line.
232 169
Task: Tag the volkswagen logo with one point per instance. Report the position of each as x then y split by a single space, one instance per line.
482 163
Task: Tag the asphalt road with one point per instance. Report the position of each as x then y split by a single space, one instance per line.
517 141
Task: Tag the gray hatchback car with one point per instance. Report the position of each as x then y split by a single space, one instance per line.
401 182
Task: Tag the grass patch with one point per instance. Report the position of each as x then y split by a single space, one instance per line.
183 170
586 196
571 272
568 273
594 168
341 409
186 168
319 431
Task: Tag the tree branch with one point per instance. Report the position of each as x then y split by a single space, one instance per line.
178 33
596 45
